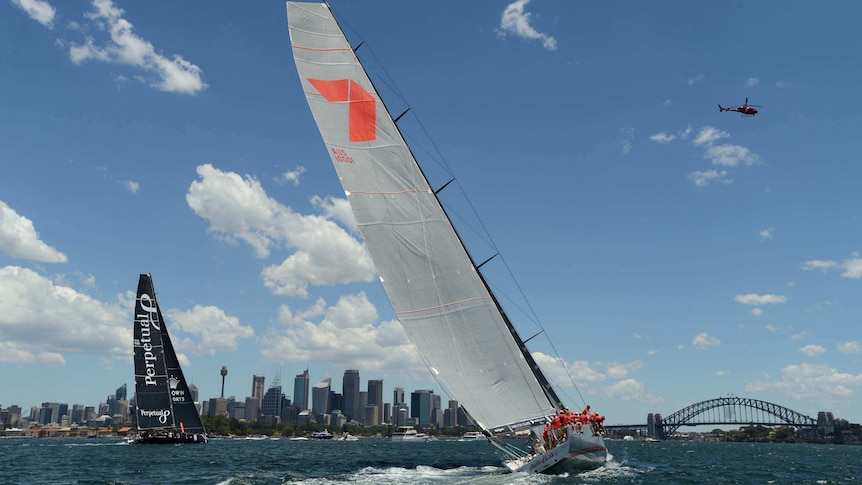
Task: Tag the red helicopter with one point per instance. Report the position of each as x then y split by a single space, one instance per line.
745 109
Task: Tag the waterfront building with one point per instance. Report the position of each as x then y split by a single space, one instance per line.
450 416
320 398
336 402
257 387
300 391
350 394
217 407
375 398
49 413
77 416
363 401
237 410
336 419
252 408
370 415
272 403
421 404
436 410
400 414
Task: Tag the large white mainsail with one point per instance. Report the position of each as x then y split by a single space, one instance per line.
433 286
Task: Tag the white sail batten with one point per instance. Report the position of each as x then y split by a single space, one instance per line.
431 282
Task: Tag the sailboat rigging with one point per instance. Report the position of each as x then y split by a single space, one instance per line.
438 293
165 411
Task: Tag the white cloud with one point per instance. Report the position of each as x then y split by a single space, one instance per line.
752 81
239 208
127 48
68 322
684 133
516 21
562 374
757 312
851 266
703 340
772 328
821 265
627 135
819 383
665 138
755 299
709 135
338 210
706 177
292 175
849 347
695 79
346 333
132 186
766 234
728 155
812 350
19 239
723 155
662 138
719 155
630 390
38 10
217 330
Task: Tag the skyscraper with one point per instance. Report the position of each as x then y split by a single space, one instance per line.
300 391
257 388
375 397
421 403
271 405
450 416
398 396
350 394
121 393
335 402
320 397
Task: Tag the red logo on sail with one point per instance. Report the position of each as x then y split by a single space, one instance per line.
362 108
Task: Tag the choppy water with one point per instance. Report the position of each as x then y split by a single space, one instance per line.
380 461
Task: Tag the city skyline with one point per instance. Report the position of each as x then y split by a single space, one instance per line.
413 400
258 382
669 252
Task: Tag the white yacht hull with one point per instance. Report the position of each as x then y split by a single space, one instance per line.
580 452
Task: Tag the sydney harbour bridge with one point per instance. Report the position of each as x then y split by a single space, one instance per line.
720 412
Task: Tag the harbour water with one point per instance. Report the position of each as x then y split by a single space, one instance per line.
380 461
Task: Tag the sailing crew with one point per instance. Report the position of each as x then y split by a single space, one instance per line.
564 423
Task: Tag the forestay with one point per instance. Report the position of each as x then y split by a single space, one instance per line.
432 284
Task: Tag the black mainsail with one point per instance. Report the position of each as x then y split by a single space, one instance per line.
165 410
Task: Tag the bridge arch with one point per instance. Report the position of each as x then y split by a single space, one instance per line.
734 410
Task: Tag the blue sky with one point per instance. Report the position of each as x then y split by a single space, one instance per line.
672 253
